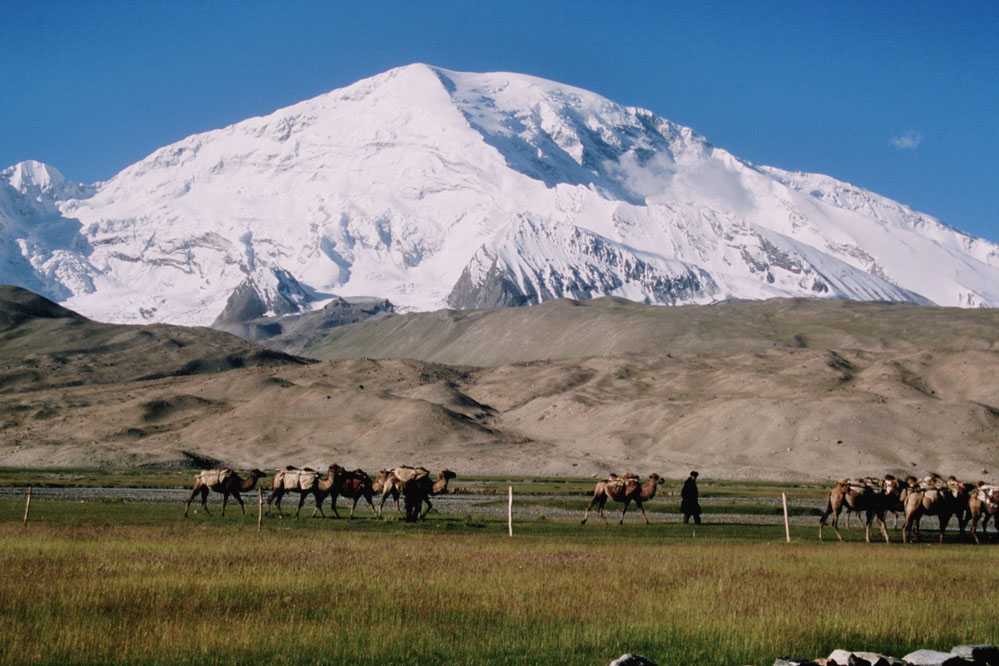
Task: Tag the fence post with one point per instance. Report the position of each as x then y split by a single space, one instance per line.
260 508
787 525
27 505
509 512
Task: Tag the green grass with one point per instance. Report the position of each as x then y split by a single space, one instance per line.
135 583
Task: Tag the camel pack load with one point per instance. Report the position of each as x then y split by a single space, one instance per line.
214 478
294 479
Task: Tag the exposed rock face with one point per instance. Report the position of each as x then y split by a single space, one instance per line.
298 331
274 292
536 261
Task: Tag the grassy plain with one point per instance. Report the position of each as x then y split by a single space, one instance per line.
133 582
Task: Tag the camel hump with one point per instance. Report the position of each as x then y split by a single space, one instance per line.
405 473
288 468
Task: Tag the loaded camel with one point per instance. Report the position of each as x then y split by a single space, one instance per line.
391 481
862 497
386 484
353 484
983 503
932 496
417 490
305 482
224 481
626 489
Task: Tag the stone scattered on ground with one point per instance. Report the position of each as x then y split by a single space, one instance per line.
981 655
632 660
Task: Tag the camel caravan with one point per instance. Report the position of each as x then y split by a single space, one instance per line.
415 485
873 498
870 498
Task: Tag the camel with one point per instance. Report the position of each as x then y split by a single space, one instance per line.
305 482
983 503
353 484
392 480
626 489
873 499
417 491
385 485
225 481
934 497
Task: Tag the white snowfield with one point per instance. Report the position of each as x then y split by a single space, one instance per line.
433 188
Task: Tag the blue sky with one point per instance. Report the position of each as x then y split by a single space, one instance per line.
901 98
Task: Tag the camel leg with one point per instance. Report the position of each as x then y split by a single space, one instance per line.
883 526
204 500
381 506
353 507
194 493
867 526
371 503
429 507
835 526
974 528
301 501
320 499
627 502
333 498
225 500
586 514
642 509
825 516
943 526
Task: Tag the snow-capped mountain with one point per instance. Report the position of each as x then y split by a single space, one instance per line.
431 188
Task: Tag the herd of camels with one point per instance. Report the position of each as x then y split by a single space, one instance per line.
871 497
414 484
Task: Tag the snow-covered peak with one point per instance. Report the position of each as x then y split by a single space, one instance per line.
30 175
429 186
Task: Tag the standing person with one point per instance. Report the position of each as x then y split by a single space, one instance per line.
689 505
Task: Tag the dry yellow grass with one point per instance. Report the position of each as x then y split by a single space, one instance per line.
133 584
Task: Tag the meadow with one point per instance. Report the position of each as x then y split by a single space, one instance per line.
133 582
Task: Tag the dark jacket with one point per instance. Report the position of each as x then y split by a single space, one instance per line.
688 497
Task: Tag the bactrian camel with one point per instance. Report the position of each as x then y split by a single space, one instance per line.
225 481
353 484
305 482
932 497
385 484
417 491
391 481
626 489
873 499
983 503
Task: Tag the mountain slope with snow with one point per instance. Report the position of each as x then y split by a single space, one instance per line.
430 188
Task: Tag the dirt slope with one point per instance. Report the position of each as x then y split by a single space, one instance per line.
566 329
43 345
913 392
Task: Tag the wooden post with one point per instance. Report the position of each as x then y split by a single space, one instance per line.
260 508
787 525
509 513
27 505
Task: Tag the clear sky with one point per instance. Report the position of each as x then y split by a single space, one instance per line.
901 98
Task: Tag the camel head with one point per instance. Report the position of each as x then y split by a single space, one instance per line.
446 474
257 474
911 481
890 485
658 479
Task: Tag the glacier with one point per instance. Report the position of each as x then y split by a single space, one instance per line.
435 188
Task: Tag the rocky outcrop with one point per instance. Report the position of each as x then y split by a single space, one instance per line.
298 331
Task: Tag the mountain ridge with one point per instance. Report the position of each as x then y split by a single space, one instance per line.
430 187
